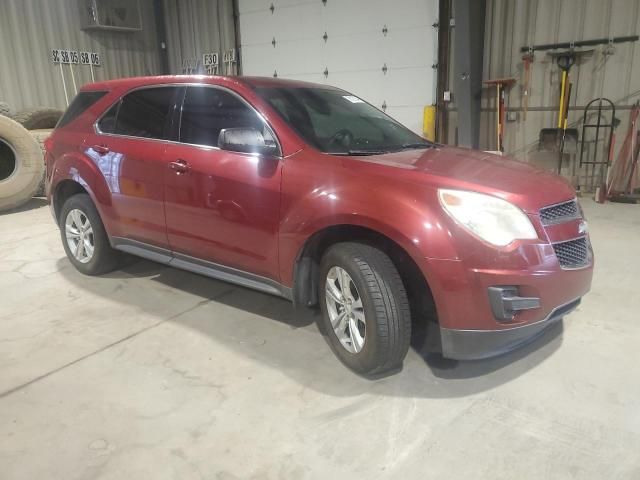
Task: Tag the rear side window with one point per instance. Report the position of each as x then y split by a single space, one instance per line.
208 110
143 113
107 123
80 103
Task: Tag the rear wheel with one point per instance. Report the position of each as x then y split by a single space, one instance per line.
365 311
84 238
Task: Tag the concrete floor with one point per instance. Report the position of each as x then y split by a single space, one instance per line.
155 373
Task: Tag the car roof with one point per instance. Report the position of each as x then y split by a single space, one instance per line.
134 82
281 82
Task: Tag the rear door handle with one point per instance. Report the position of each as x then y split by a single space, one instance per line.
100 149
180 166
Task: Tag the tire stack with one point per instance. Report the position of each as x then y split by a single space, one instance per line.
21 153
5 109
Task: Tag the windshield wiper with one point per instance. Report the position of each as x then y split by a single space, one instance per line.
410 146
391 148
360 152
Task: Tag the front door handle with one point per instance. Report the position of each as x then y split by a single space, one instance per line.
100 149
180 166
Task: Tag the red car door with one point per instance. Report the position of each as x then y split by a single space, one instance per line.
221 206
129 149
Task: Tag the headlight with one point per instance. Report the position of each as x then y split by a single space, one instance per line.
492 219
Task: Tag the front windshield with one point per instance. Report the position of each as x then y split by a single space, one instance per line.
333 121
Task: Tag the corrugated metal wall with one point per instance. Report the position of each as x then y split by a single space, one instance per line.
29 29
193 29
512 24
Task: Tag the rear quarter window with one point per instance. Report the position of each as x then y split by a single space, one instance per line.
80 104
107 123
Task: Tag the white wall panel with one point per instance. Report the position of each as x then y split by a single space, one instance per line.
355 51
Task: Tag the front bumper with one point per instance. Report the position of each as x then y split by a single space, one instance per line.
472 328
478 344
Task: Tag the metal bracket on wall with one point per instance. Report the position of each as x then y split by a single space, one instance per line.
385 30
325 37
272 8
326 72
273 42
384 69
580 43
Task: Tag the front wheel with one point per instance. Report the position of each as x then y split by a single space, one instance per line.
365 311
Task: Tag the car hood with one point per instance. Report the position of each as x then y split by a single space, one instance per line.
450 167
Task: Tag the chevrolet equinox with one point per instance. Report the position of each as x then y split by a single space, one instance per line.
308 192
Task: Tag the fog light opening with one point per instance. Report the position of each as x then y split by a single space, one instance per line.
506 302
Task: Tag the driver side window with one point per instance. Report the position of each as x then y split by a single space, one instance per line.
208 110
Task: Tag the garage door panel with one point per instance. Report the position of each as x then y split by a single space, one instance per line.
296 22
293 57
360 52
409 86
259 57
313 77
367 87
355 50
284 25
344 18
259 60
358 16
408 115
409 14
281 5
256 28
410 47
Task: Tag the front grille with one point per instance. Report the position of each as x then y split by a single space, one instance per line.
562 212
573 254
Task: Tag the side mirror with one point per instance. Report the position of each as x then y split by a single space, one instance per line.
246 140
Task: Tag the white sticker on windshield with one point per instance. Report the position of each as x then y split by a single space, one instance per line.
352 99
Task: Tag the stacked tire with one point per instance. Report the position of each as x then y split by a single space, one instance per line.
38 118
22 153
5 109
21 164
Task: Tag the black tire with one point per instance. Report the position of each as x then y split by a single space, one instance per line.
21 164
104 259
37 118
386 308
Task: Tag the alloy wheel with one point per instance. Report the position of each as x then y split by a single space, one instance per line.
79 233
346 312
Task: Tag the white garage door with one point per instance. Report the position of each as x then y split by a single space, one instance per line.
380 50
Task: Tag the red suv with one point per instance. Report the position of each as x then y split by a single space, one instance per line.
308 192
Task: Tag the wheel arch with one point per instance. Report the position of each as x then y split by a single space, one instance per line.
306 268
75 174
64 190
